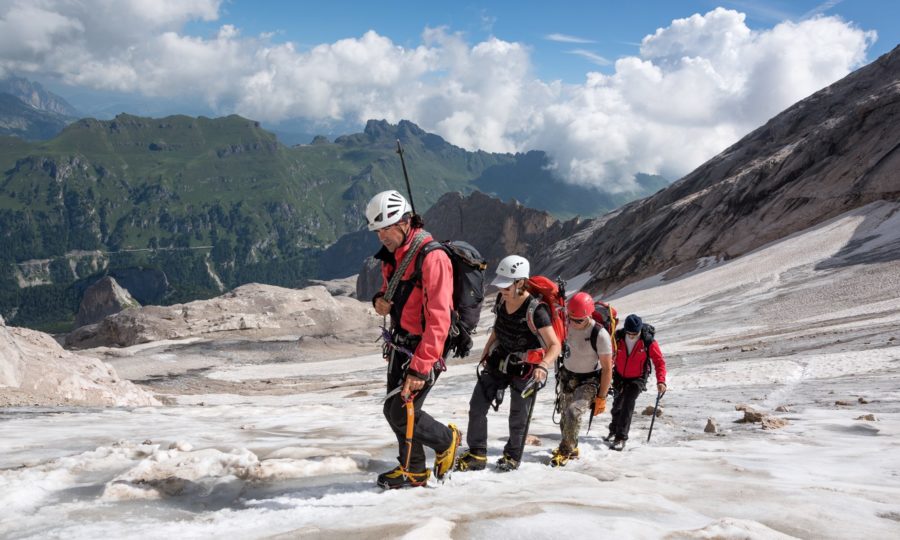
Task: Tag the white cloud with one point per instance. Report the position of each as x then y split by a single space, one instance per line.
695 88
566 38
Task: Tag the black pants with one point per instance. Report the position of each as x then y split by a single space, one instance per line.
623 407
427 431
485 390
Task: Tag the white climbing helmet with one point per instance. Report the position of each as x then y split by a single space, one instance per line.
510 270
385 209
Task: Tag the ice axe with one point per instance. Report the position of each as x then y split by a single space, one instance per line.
410 426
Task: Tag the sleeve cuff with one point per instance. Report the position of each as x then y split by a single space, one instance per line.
416 374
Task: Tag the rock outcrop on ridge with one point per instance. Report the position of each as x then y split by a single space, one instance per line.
101 299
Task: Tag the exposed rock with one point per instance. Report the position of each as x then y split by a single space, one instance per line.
710 426
773 422
863 400
748 348
338 287
35 370
843 403
103 298
260 310
868 417
533 440
648 411
751 416
783 408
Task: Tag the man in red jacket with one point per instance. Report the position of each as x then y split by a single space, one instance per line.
636 351
418 298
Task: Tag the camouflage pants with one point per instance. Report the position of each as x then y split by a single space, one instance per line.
575 398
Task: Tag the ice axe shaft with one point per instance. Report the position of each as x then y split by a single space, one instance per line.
406 176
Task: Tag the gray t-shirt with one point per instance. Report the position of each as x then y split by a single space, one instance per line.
583 359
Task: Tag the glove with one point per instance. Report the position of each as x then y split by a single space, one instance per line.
599 405
462 345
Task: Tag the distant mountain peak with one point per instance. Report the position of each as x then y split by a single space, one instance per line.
33 94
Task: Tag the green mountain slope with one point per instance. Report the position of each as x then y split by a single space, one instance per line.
211 202
215 203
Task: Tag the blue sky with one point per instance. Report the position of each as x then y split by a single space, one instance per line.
608 89
610 29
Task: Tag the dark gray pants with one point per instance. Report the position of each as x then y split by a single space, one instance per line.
623 407
482 396
426 432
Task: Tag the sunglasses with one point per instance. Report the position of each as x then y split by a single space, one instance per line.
631 333
578 320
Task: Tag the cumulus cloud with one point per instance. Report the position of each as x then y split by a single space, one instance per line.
696 86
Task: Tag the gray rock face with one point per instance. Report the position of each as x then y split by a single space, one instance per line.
101 299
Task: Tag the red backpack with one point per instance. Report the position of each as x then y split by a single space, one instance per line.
553 295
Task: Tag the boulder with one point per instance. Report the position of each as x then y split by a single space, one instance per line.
867 417
710 426
101 299
36 371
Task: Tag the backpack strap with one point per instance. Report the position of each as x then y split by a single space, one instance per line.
533 304
595 334
425 250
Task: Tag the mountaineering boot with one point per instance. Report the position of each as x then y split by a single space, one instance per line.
618 445
398 478
471 461
609 438
561 457
506 464
444 461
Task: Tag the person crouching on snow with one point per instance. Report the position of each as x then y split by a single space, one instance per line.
636 349
419 308
584 375
504 365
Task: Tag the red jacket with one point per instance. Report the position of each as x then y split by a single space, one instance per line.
631 365
427 310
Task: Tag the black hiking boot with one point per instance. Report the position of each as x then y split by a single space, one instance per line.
562 456
507 464
471 461
398 478
444 461
618 445
609 438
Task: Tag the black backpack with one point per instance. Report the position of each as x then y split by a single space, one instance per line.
468 290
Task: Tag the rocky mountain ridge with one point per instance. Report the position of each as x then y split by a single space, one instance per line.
837 150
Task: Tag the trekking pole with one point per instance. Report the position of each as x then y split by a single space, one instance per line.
406 176
659 396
